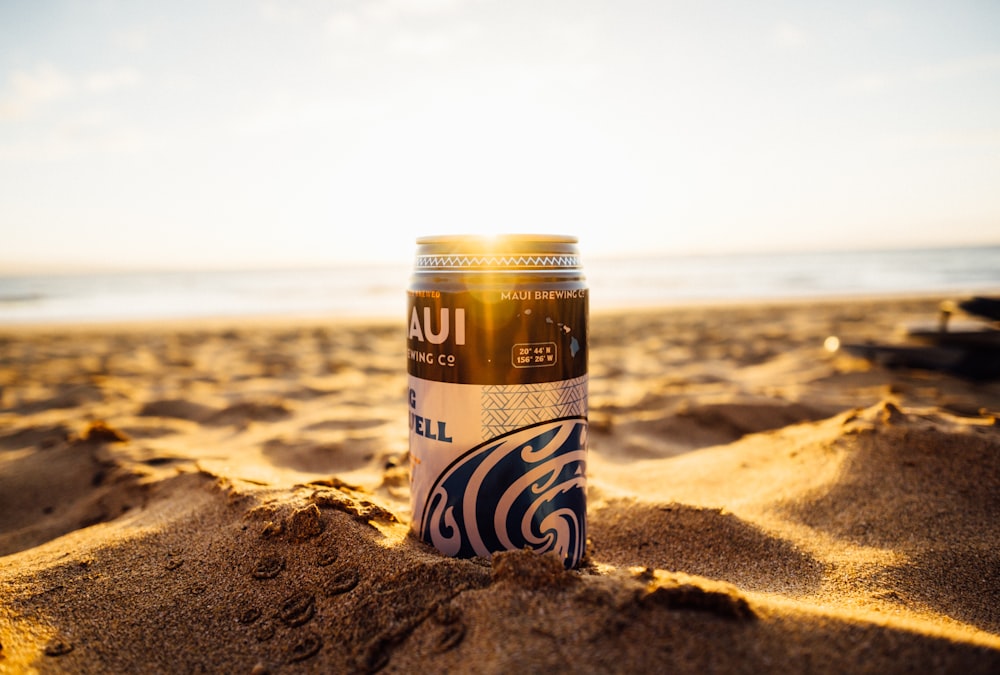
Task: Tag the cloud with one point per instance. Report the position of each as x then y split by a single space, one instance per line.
433 42
353 18
344 23
922 76
30 90
868 83
955 68
133 39
423 44
789 36
393 9
112 79
881 18
289 11
80 125
92 133
977 139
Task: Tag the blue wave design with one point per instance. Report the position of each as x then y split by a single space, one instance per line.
525 489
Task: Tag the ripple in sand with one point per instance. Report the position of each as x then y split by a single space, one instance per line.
347 425
679 591
178 409
670 536
665 430
42 436
304 454
240 414
69 396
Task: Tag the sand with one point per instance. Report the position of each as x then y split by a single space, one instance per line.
233 497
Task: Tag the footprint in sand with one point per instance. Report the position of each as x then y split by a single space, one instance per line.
327 553
268 567
451 629
249 616
264 632
449 637
326 558
341 581
297 609
58 648
307 647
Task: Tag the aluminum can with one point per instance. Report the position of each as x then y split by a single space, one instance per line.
497 366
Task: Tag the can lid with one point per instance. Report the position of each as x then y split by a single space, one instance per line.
496 240
503 251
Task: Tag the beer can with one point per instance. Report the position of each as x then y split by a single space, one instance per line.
497 366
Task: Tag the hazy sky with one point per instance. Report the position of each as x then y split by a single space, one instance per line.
241 132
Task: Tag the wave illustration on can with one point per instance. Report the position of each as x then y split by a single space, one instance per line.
497 364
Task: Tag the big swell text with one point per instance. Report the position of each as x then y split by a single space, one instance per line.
436 430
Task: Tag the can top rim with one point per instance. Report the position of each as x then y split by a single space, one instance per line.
498 238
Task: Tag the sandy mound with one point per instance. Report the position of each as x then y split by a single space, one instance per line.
177 499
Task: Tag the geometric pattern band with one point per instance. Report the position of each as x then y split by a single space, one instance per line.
496 261
508 407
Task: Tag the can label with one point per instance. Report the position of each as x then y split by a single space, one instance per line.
498 418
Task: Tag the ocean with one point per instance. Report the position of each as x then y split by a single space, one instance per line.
377 291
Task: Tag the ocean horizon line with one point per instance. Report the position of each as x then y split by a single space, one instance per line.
378 290
12 267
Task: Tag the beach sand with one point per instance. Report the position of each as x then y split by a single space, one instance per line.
233 497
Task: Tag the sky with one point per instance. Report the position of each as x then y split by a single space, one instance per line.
244 133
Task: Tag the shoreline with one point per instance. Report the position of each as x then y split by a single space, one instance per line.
218 322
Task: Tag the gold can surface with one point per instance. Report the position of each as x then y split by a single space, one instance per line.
497 367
